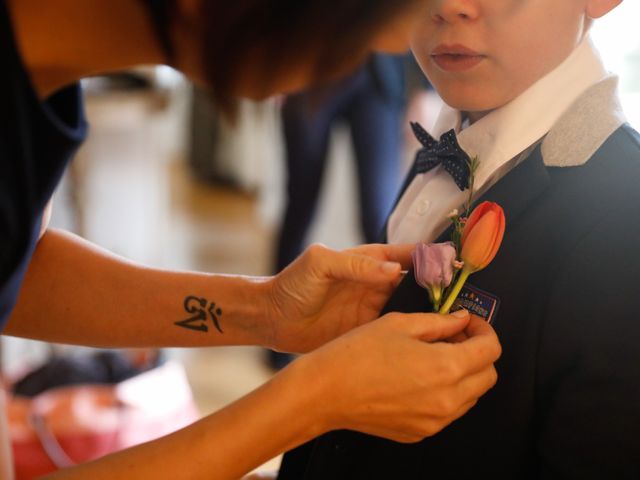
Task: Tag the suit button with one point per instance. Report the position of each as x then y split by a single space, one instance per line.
423 207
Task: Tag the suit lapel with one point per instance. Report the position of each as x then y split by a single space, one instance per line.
520 187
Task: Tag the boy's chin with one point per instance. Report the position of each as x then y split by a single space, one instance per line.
472 104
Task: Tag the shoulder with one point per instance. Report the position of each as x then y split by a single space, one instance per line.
592 299
621 148
609 180
619 155
602 197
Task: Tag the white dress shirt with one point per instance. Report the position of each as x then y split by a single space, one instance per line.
505 134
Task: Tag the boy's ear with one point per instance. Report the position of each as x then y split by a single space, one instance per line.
599 8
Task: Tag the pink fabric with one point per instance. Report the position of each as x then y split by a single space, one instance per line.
89 421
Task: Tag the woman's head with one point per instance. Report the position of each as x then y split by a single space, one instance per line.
256 48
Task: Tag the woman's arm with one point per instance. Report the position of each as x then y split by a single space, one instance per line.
75 292
6 459
348 383
277 416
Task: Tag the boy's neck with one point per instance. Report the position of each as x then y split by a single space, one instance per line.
62 41
473 117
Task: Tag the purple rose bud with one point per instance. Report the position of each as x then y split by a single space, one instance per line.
433 267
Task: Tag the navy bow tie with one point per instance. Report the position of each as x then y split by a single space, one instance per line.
445 152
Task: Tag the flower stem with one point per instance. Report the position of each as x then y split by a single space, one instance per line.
435 295
464 274
473 163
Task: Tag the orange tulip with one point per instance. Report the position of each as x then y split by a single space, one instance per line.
480 241
482 236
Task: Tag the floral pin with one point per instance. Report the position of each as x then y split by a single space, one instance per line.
443 268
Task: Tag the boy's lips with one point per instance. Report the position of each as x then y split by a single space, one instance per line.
455 58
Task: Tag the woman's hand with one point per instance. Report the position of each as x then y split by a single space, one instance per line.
325 293
399 377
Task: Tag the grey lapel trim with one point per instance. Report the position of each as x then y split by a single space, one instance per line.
582 129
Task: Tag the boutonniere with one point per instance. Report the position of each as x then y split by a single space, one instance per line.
443 268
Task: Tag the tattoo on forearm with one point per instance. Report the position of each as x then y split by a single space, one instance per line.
201 310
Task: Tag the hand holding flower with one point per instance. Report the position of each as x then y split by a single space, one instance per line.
325 293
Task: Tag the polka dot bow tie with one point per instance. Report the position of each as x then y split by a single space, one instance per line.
445 152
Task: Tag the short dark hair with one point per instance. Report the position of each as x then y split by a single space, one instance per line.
275 34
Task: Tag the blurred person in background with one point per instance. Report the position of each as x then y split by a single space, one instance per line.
57 287
371 101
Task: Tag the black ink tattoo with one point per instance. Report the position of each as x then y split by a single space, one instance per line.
198 308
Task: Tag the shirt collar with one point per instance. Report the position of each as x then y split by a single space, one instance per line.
507 131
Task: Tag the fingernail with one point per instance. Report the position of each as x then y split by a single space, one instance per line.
460 313
390 267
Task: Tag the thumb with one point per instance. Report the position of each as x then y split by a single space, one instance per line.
359 268
432 327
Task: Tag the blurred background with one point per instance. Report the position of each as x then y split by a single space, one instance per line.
165 180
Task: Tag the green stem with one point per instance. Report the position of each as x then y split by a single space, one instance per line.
435 295
464 274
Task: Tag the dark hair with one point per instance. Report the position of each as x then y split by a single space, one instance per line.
266 37
161 12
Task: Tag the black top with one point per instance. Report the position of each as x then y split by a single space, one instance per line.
37 140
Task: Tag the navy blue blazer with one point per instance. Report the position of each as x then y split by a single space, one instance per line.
567 401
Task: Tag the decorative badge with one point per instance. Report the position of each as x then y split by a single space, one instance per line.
478 302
